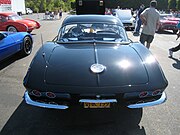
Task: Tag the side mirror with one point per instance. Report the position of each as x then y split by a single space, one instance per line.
2 36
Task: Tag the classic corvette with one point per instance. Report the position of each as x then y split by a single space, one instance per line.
13 22
92 63
11 43
168 22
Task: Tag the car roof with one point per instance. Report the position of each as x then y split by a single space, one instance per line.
7 13
92 19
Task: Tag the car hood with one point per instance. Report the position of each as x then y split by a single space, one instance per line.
169 22
70 65
27 22
173 19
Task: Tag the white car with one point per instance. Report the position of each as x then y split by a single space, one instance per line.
126 18
29 11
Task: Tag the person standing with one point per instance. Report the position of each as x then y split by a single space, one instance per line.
138 21
60 13
46 14
176 48
150 19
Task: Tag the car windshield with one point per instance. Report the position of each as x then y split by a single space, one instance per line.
14 17
92 32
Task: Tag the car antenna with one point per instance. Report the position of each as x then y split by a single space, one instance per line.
43 54
41 39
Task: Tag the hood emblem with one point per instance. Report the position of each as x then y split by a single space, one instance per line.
97 68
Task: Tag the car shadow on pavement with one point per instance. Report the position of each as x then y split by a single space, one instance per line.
177 64
29 120
6 62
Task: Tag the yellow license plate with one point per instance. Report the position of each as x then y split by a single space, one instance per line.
97 105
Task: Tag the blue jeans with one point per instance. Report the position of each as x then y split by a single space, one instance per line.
138 25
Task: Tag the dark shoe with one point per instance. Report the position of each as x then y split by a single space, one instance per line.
135 34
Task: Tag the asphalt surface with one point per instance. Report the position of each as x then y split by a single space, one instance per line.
17 118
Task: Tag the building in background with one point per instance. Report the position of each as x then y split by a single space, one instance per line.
17 6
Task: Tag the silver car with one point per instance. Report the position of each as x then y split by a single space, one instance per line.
126 18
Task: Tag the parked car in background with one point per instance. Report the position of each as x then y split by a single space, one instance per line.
14 23
11 43
29 11
126 18
168 22
93 64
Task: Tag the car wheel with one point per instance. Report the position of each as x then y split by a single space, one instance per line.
11 29
27 46
175 31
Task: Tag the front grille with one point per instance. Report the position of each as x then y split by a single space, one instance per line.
127 24
168 26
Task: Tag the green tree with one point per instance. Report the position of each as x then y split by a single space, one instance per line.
42 5
172 4
178 4
162 4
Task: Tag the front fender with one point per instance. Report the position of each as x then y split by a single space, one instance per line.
19 26
38 25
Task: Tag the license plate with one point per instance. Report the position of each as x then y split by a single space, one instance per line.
97 105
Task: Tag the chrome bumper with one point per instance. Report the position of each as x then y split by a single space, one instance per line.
156 102
138 105
34 103
98 101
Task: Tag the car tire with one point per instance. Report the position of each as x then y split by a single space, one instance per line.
27 46
11 29
175 31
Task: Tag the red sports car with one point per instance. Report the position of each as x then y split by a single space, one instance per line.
168 22
13 22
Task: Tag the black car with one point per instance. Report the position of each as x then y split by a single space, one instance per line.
92 63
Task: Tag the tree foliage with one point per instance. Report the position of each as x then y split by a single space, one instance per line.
178 4
172 4
42 5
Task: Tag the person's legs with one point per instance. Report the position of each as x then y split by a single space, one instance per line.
148 45
138 25
170 53
174 49
143 38
149 40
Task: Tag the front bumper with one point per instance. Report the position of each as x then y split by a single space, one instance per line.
29 101
168 27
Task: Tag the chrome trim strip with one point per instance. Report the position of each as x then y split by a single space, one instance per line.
98 101
159 101
34 103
